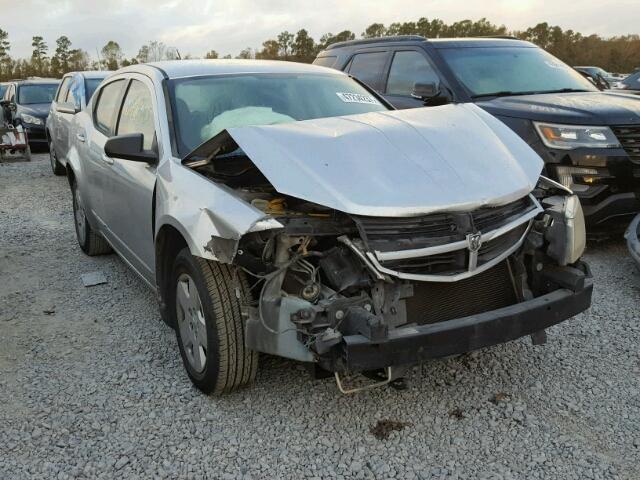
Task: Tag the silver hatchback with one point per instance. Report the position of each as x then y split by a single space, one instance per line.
287 209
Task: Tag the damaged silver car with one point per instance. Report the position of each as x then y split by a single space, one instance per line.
287 209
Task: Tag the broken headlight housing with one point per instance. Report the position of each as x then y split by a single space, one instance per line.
568 137
566 231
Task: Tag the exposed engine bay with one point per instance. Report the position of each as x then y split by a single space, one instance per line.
326 278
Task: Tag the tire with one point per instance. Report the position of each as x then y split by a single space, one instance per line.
56 167
205 300
91 243
27 153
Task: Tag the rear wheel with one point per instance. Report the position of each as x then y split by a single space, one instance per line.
91 243
56 167
205 303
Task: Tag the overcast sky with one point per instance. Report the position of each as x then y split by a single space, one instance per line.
198 26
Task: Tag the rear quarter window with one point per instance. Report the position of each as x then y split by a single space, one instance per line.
328 61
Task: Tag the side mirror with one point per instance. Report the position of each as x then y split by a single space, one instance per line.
129 147
67 107
424 91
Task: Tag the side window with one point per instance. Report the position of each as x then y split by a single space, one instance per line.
407 68
137 113
74 93
368 67
325 61
106 111
62 91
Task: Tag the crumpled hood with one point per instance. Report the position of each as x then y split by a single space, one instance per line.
588 108
392 163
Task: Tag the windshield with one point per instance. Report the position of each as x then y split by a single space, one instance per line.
205 106
512 70
40 93
632 81
90 85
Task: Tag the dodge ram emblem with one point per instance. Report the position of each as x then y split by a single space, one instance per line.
474 240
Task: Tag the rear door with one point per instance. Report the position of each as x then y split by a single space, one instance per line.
369 67
98 165
408 67
62 119
129 185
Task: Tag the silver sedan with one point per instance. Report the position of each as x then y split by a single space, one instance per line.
285 208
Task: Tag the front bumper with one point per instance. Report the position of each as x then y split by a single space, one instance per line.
412 345
633 239
35 134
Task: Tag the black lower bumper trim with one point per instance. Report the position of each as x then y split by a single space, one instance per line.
411 345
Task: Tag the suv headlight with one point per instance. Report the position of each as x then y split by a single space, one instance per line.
26 118
566 232
568 137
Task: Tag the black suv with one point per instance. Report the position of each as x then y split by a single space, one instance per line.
589 139
27 103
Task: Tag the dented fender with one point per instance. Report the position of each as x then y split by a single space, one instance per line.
211 217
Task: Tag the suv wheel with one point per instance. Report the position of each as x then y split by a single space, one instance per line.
90 242
56 167
205 305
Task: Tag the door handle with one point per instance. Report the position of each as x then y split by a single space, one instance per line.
107 160
80 137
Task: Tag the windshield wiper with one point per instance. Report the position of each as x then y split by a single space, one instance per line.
503 93
566 90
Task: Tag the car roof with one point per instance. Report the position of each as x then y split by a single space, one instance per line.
38 81
194 68
91 73
463 42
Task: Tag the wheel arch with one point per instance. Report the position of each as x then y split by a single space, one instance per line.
169 241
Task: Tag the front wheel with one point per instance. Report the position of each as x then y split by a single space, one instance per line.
205 305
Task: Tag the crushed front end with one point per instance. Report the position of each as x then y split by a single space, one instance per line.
355 293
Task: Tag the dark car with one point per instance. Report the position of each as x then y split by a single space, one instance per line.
26 103
588 138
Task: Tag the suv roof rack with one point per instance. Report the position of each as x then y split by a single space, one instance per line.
364 41
503 37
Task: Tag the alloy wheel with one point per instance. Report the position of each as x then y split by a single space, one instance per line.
191 322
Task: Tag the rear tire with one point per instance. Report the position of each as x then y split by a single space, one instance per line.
56 167
91 243
205 300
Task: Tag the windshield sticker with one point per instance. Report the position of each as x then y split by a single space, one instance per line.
357 98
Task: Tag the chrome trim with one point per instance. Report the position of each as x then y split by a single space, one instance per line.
459 276
462 244
374 270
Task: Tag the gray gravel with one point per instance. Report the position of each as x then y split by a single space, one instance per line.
92 386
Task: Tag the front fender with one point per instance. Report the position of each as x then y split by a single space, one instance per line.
211 217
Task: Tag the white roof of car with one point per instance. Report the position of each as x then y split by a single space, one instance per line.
193 68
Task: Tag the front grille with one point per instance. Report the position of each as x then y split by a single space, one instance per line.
443 263
436 302
629 138
385 234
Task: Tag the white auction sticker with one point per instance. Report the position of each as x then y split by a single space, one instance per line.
357 98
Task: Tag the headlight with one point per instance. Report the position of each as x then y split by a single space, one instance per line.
568 137
26 118
579 179
566 232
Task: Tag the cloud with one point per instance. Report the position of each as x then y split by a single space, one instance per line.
228 27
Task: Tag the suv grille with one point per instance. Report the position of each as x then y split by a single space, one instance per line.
629 138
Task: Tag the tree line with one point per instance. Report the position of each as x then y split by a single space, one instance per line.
615 54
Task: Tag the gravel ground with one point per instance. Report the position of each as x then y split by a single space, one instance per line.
92 386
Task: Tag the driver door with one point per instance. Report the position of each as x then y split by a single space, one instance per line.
129 185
